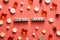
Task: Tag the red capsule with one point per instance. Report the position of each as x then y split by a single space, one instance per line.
10 38
24 32
3 16
15 4
54 28
30 1
54 6
50 37
40 1
44 13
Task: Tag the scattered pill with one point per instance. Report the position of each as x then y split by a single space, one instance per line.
22 3
10 37
50 37
9 8
21 10
28 7
19 38
14 30
51 20
1 22
15 4
47 1
31 1
0 7
51 7
44 31
44 13
3 16
54 6
24 31
7 27
5 1
12 10
36 9
2 34
54 28
27 38
33 34
9 20
37 28
58 33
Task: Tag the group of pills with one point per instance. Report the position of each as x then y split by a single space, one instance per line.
12 10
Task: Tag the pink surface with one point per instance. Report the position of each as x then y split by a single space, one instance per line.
30 25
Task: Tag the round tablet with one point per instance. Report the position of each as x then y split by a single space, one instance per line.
14 30
58 33
22 3
12 10
44 31
47 1
51 20
21 10
28 7
51 7
19 38
9 20
0 7
37 28
1 22
36 9
33 34
7 27
9 8
27 38
5 1
2 34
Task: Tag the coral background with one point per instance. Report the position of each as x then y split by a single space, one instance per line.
30 25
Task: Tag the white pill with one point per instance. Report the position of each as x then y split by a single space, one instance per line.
28 7
2 34
1 22
7 27
58 33
37 28
14 30
6 1
19 38
9 8
33 34
9 20
27 38
0 7
47 1
22 3
12 10
51 20
43 31
36 9
21 10
51 7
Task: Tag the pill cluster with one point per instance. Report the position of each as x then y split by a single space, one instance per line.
24 31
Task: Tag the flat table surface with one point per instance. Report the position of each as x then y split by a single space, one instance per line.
30 25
